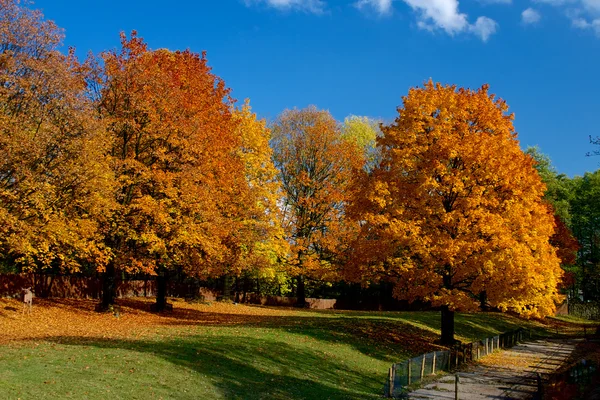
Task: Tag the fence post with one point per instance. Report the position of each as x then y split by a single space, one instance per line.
456 382
456 357
409 369
391 381
540 387
486 347
433 364
423 366
478 350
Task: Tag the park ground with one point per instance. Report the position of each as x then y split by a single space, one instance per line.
64 349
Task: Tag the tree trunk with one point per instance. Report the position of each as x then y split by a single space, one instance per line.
109 288
447 315
227 286
161 290
483 301
447 326
300 292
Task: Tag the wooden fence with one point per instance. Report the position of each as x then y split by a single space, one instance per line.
401 375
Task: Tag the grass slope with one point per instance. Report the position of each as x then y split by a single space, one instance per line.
217 351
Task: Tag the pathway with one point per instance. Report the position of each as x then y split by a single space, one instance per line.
507 374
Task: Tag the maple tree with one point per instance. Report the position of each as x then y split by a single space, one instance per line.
55 186
454 210
175 153
316 166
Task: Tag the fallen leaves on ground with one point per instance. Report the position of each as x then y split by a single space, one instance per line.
77 318
512 361
56 318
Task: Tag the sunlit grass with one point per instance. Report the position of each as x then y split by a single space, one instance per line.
214 351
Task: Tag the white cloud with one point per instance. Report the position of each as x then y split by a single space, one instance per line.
582 23
431 14
444 14
495 1
441 14
312 6
583 14
484 27
381 6
592 6
530 16
554 2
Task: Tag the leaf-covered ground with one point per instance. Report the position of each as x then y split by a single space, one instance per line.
220 351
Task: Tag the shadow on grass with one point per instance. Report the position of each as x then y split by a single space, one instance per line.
375 335
385 336
249 368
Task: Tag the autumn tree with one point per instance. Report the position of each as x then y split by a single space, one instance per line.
260 231
454 210
55 186
315 168
175 153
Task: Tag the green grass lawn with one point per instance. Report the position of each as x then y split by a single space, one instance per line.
301 355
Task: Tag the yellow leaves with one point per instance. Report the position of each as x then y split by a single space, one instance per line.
456 195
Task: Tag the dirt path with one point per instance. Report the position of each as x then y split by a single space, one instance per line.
507 374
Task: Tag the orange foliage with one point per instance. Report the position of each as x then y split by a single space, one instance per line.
175 154
455 208
55 186
316 166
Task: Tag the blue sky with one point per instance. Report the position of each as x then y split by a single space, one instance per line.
361 56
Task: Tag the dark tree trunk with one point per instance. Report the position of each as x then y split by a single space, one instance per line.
447 315
483 301
227 286
447 326
300 292
109 288
161 290
43 285
236 296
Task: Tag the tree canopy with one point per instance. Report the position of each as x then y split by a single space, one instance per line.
316 166
55 186
454 210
